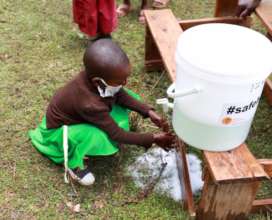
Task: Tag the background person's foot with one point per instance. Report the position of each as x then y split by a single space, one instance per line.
123 10
141 17
160 4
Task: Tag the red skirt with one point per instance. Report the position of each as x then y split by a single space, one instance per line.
95 16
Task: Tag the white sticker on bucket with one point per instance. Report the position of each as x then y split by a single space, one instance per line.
237 113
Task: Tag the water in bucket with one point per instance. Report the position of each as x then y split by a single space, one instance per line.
196 132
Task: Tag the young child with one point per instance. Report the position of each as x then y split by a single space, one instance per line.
126 7
95 18
93 109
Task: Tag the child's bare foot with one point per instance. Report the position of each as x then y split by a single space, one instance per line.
160 3
123 10
141 17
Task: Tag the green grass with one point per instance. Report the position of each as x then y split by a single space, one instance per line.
39 52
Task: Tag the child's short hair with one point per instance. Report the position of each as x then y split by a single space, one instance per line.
102 56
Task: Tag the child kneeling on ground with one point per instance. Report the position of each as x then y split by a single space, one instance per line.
89 115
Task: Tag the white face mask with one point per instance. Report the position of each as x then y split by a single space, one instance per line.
109 91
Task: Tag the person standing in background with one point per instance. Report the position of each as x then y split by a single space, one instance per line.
95 18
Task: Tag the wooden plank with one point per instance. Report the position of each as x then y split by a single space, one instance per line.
182 164
268 91
264 12
165 31
153 60
262 205
225 8
185 24
267 166
226 201
237 164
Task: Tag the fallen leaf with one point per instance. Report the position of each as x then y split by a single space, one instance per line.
72 207
77 208
98 204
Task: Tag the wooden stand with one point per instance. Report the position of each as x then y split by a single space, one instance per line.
231 182
231 179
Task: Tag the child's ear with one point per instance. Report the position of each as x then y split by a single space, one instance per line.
95 81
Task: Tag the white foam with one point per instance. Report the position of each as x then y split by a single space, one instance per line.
147 167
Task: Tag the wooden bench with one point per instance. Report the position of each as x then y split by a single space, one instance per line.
231 179
162 32
264 12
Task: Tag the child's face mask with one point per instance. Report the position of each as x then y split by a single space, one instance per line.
108 91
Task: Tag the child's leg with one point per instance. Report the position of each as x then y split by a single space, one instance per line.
124 8
85 16
107 17
144 4
127 2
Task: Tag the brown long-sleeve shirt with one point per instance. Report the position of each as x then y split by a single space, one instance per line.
79 102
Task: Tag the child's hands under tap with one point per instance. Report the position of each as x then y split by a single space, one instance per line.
164 140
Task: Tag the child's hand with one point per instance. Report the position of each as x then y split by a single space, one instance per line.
164 140
246 7
158 120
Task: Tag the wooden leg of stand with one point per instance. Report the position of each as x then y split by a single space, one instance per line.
269 36
268 91
268 83
184 177
225 8
153 61
226 201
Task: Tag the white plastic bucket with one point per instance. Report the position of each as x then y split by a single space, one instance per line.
221 70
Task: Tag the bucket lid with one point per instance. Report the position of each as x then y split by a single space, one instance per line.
226 50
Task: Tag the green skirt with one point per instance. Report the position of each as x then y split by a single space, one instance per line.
83 139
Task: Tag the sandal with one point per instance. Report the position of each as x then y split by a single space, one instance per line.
123 10
160 4
83 177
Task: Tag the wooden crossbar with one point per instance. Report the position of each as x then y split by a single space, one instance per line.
185 24
262 205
